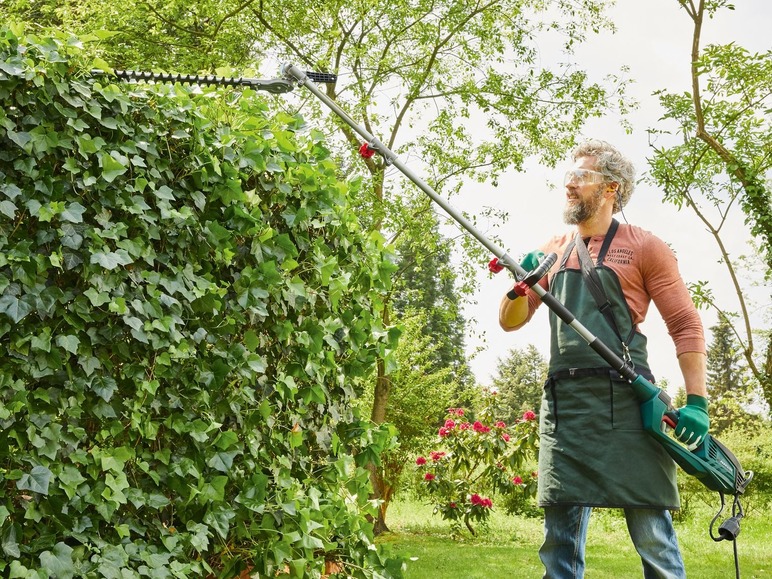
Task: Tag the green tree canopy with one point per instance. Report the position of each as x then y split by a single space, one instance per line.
519 380
720 162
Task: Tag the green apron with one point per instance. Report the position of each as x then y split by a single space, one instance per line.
593 450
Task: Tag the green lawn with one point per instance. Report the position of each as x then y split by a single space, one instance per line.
508 548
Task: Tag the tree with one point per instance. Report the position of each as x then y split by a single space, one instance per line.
423 391
188 308
197 36
725 127
427 284
724 371
728 385
520 380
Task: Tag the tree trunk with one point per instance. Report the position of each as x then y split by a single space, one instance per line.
381 490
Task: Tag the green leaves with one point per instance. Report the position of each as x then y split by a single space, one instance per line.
36 480
183 332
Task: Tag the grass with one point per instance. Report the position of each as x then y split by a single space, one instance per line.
508 548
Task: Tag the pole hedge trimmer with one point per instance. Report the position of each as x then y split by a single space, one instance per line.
711 462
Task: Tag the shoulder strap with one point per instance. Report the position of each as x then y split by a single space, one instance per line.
594 284
612 231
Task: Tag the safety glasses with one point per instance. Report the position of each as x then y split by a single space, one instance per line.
583 177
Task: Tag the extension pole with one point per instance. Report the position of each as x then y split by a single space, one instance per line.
711 461
390 158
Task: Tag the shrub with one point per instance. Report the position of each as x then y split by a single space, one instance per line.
474 458
187 308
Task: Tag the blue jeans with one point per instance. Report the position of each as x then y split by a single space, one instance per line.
652 532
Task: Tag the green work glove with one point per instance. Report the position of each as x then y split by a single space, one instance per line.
693 421
531 260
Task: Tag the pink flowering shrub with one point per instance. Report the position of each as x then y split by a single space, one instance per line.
477 464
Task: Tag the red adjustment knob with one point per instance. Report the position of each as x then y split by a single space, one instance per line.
494 265
366 151
521 288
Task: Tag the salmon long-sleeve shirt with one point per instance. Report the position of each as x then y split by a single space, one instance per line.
648 271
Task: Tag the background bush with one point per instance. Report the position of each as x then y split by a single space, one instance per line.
187 308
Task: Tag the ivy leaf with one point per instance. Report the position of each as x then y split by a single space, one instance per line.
111 259
70 479
214 491
199 538
8 208
111 167
59 562
14 307
164 193
36 480
69 343
74 213
223 461
219 517
9 541
104 386
226 439
70 236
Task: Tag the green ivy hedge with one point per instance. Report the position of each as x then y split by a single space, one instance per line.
187 308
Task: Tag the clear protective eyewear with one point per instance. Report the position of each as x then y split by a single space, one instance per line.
583 177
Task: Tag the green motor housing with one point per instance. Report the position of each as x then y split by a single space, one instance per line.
711 462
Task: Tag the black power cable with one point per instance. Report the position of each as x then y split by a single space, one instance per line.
730 528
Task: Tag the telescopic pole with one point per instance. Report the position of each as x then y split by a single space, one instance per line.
504 260
711 461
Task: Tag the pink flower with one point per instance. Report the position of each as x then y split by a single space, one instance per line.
480 427
443 432
420 461
428 476
452 505
517 480
464 426
529 415
505 436
459 411
500 424
450 424
436 455
477 500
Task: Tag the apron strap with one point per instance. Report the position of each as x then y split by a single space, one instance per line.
595 285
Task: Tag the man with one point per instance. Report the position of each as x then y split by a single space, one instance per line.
593 451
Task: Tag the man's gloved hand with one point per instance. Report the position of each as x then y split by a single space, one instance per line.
531 260
693 421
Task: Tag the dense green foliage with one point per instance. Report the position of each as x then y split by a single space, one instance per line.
188 308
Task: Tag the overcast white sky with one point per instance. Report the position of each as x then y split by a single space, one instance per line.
653 39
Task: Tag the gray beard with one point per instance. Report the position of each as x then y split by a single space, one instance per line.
584 210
